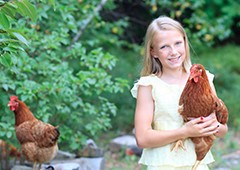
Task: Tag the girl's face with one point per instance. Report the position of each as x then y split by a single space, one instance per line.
168 47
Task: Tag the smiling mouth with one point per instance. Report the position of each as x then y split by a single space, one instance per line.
174 59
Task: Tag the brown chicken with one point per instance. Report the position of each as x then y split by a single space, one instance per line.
38 139
7 150
198 99
12 150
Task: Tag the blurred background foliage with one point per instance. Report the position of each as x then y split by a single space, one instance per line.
74 62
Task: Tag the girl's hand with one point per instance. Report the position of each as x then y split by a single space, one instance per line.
202 126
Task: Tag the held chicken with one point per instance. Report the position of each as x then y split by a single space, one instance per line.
38 140
199 100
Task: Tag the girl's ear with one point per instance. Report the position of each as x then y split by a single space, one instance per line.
152 52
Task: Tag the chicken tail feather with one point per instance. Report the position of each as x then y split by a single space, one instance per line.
57 131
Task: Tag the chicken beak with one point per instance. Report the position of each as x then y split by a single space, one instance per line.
10 104
190 77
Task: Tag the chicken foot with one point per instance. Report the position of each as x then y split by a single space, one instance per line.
35 166
179 143
39 167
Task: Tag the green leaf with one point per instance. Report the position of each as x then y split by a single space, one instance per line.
27 9
4 125
9 9
74 145
20 38
2 133
13 48
9 134
5 87
6 60
53 3
6 41
4 21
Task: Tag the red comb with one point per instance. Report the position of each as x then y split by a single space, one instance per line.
13 98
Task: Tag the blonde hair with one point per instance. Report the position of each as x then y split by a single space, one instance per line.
153 65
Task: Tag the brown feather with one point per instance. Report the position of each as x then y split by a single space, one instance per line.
38 139
197 99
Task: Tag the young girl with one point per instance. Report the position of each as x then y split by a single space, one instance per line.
157 121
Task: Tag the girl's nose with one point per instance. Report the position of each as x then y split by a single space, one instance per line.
173 51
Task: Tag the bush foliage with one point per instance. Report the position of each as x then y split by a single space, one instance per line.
60 79
73 62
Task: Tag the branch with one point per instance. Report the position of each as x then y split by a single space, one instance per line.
96 10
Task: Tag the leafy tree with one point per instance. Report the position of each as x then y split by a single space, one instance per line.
11 36
12 42
207 22
63 79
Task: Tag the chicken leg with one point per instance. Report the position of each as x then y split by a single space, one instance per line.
35 166
196 165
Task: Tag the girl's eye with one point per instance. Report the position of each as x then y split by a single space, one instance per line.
163 47
179 42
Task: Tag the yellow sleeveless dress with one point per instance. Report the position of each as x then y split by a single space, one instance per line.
166 117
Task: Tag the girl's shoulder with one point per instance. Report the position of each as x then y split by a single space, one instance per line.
149 80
